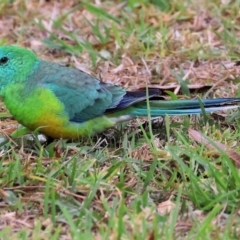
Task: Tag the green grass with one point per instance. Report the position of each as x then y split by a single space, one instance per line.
138 181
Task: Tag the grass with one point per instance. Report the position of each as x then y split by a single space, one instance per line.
140 180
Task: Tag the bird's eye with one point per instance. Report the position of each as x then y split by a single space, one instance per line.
3 60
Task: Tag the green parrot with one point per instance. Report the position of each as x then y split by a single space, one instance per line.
67 103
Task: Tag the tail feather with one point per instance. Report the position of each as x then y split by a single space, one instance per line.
183 107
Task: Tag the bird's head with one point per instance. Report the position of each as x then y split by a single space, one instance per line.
16 64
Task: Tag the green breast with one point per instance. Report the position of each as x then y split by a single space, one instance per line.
37 108
41 109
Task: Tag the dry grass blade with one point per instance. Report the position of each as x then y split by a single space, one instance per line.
198 137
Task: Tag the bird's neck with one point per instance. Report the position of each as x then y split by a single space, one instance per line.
20 77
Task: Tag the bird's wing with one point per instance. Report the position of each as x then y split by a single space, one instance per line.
83 96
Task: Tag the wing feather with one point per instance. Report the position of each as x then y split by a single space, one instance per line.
84 96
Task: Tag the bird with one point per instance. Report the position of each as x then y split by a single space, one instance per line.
64 102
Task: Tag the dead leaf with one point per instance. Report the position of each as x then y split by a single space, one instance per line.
165 207
3 194
198 137
193 88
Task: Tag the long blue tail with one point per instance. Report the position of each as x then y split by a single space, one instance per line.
182 107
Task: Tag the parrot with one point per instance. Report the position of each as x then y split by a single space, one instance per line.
64 102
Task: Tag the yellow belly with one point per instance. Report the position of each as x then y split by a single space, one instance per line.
42 109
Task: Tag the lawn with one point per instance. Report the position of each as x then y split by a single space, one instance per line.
165 178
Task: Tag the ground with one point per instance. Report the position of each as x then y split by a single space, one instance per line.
175 178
